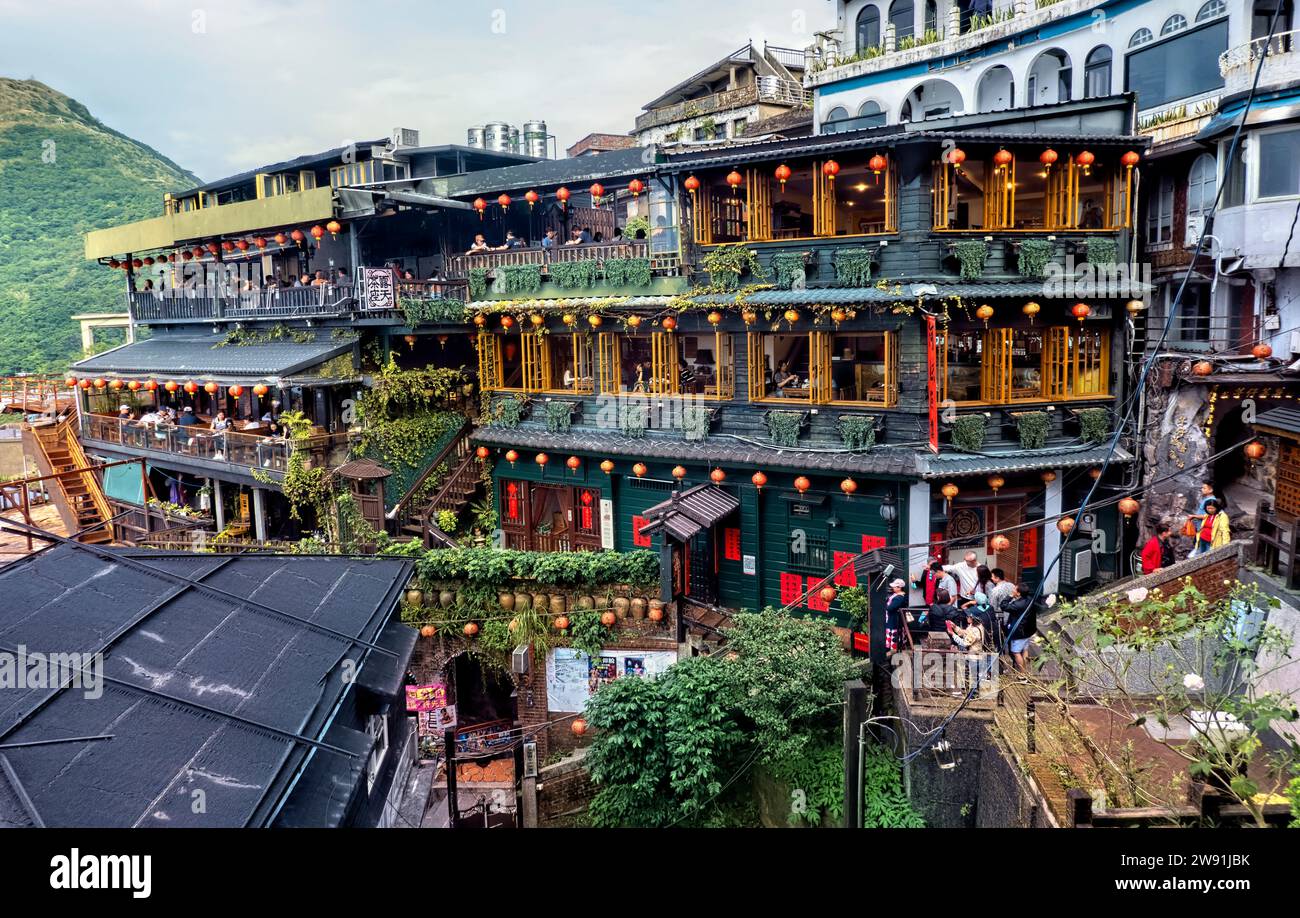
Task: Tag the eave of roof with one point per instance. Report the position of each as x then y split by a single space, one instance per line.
202 357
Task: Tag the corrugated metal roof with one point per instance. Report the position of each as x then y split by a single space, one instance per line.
1283 419
687 512
628 302
950 464
578 171
204 357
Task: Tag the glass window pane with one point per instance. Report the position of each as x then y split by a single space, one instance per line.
1279 167
1181 67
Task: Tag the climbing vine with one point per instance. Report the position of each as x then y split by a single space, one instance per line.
1094 425
858 431
573 275
784 427
417 311
305 488
1034 256
789 268
627 272
1032 427
852 267
512 279
726 264
968 432
559 416
243 337
507 411
478 283
971 255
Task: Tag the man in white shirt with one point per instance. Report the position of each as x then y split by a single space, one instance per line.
967 574
1002 590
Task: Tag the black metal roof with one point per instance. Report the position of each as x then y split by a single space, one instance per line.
203 356
687 512
219 673
576 171
1284 419
288 165
949 464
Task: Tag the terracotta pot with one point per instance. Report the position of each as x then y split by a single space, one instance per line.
414 597
446 599
558 605
586 603
507 601
657 605
523 602
638 608
541 602
621 606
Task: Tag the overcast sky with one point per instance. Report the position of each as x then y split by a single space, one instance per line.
242 83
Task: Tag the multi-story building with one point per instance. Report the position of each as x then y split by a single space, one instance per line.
726 99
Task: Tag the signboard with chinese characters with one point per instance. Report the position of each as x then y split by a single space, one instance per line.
606 524
435 722
420 698
379 288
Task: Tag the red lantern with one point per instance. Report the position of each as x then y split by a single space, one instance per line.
242 245
297 236
148 262
1086 160
608 619
334 227
512 457
561 623
830 169
151 386
210 388
428 631
639 469
70 382
735 179
1002 158
85 384
956 156
114 263
198 252
717 476
504 201
470 630
1130 159
597 192
191 387
1065 524
259 241
759 479
507 322
849 486
317 232
170 385
1255 450
260 390
655 615
99 384
281 238
1081 311
227 246
636 186
1128 506
669 323
186 255
562 196
213 248
1048 157
480 205
827 594
541 459
692 184
783 173
137 263
1000 543
532 197
235 391
578 727
482 452
116 384
574 463
607 466
877 164
802 484
679 472
1203 368
1262 351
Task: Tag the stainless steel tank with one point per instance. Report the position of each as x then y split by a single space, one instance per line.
476 137
497 136
535 139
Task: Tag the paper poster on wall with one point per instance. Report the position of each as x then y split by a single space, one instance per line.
571 677
426 697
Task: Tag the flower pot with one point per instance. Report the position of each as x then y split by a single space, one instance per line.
638 608
621 606
523 602
541 602
507 601
558 604
446 599
414 597
586 603
657 605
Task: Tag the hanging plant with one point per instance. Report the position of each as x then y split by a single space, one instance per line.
574 275
696 422
477 283
1034 256
559 416
784 427
507 412
513 279
789 268
1102 251
1094 425
971 255
726 264
858 431
1032 427
627 272
968 432
418 311
635 420
852 267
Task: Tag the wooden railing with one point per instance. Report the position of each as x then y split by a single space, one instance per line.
410 511
35 394
459 266
464 475
432 289
231 448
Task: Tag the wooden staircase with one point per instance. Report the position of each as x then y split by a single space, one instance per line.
420 522
77 494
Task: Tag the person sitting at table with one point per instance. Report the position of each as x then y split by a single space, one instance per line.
635 381
319 280
187 418
784 378
221 423
548 241
512 242
569 379
149 419
575 237
341 277
480 245
585 236
269 417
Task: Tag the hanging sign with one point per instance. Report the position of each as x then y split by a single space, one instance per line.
378 287
932 389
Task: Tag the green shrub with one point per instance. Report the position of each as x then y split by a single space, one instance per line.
1102 251
695 422
627 272
858 432
559 416
514 279
1032 427
1034 256
852 267
573 275
971 254
789 267
1094 425
968 432
634 420
784 427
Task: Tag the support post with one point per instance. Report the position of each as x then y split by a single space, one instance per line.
218 507
1051 535
453 808
857 702
918 533
259 514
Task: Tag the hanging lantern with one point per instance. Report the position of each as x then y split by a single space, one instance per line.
999 543
507 322
191 387
148 262
783 174
802 484
512 457
1128 506
260 241
838 315
281 238
639 470
70 382
334 227
139 263
877 164
1203 368
717 476
114 263
692 184
481 206
1002 158
735 179
985 312
636 186
99 384
594 321
1134 307
996 482
504 201
830 169
226 247
597 192
537 320
608 619
470 630
171 386
949 491
116 384
568 318
1065 524
260 390
1255 450
749 316
210 388
480 320
1085 159
532 197
607 466
297 236
151 385
428 631
1048 157
574 463
1262 351
956 156
186 255
541 459
578 727
562 195
633 321
1081 311
561 623
669 323
235 391
679 472
482 452
213 248
410 341
1094 473
1130 159
792 316
759 480
242 245
84 384
442 341
849 486
1031 309
827 594
715 317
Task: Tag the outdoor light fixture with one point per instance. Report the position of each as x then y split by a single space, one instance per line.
888 509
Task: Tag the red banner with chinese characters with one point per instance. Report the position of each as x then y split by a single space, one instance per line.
731 544
639 540
932 389
848 575
872 542
815 601
791 589
1029 547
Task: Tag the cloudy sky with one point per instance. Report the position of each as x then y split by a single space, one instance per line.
241 83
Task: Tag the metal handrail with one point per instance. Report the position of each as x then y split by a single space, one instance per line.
1252 51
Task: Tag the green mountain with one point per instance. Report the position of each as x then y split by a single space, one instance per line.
62 173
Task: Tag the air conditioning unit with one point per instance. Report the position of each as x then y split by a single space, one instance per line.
1076 566
404 137
519 660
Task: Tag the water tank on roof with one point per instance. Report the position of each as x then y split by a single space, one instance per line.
535 139
497 137
476 137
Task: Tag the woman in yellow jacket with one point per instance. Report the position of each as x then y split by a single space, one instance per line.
1214 531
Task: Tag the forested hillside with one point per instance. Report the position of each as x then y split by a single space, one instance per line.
63 172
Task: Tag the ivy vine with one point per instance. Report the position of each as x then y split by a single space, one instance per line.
1032 427
858 431
971 254
428 311
1034 256
243 337
1102 251
1094 425
789 268
696 421
512 279
852 267
573 275
627 272
784 427
726 264
507 411
478 278
968 432
634 420
559 416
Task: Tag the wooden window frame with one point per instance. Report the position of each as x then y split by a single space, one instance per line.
608 364
1064 366
889 396
583 365
820 385
665 371
488 347
724 349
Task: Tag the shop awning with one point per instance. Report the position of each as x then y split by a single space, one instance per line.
689 512
209 357
1283 421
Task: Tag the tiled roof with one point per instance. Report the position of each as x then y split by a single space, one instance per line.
1284 418
624 302
577 171
202 357
949 464
687 512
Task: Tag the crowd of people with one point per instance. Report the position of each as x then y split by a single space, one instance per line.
551 239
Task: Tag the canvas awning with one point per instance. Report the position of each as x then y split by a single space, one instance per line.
688 512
